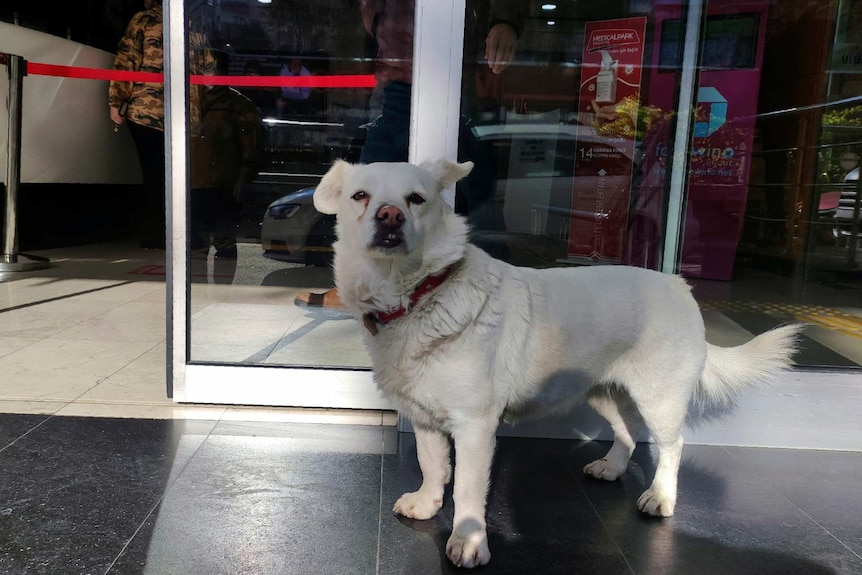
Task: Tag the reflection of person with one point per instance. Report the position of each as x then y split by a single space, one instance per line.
849 162
142 104
224 158
263 98
295 99
296 69
391 25
845 211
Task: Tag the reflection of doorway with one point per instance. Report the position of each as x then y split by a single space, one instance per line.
781 201
789 263
835 234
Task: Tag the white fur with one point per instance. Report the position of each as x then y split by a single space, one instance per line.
497 341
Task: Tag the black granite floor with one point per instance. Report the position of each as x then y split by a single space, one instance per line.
128 496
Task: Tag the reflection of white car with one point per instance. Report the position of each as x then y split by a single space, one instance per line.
293 231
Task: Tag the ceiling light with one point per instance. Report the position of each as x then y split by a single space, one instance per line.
551 23
549 7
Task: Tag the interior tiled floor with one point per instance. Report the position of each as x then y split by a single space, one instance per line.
125 496
101 473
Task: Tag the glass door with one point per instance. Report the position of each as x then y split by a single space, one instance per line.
272 95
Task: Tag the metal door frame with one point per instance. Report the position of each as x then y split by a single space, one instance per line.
438 53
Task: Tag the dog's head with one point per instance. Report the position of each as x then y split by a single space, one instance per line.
388 208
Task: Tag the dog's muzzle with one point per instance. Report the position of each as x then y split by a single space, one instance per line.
389 233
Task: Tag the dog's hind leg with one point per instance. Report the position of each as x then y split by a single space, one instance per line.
432 449
615 405
664 415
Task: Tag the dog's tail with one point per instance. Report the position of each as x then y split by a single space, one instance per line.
731 370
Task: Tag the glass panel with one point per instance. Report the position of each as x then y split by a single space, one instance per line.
772 222
571 140
296 87
573 146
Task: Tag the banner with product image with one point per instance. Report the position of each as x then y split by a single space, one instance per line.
608 115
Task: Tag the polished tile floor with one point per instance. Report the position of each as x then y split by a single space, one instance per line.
181 497
101 473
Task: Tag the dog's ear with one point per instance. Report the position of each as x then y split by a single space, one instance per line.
446 172
329 189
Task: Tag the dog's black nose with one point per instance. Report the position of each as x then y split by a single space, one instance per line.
390 216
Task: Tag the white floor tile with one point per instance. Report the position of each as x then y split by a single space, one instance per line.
330 343
143 380
795 413
28 323
128 292
72 306
292 415
115 328
31 407
88 409
64 369
21 385
12 344
29 290
137 309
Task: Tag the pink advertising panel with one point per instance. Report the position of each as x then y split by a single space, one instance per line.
725 115
608 105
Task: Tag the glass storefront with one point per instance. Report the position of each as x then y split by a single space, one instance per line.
586 153
255 240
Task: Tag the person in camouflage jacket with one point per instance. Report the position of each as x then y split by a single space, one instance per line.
141 50
142 103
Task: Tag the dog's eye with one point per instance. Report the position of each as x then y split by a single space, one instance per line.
415 198
360 195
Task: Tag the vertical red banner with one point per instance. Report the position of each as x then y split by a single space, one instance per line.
608 107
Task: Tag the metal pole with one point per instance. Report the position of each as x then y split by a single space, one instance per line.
11 260
682 138
13 158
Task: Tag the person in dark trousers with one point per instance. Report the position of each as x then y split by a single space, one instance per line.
225 158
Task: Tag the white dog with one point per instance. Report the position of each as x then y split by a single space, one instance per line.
460 340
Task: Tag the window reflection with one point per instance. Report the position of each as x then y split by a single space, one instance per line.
569 115
581 173
325 81
553 130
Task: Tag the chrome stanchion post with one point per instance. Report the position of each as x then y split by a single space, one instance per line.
11 260
13 164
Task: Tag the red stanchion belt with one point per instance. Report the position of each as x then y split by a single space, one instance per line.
334 81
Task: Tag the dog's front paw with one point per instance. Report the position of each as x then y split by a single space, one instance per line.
654 502
604 469
469 550
418 505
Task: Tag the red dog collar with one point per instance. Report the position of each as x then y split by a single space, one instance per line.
426 286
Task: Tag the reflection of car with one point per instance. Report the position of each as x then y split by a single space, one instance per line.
293 231
533 199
